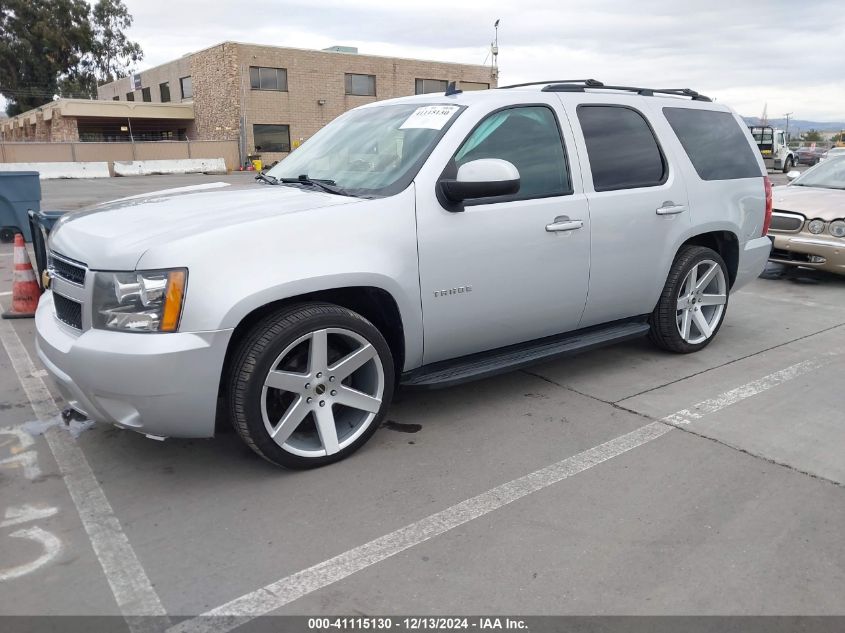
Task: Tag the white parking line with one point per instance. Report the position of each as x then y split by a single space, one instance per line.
285 590
129 583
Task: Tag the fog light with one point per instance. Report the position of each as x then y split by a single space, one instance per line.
837 229
815 259
815 226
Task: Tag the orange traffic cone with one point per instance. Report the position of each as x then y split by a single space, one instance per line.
25 288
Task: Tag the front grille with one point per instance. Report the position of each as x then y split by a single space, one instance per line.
786 222
68 311
74 273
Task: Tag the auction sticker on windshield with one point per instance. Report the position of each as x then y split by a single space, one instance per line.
432 117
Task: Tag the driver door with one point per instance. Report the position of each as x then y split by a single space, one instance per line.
500 272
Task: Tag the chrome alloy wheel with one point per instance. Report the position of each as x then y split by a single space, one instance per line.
701 301
322 392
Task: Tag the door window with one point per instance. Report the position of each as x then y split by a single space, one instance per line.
622 149
529 138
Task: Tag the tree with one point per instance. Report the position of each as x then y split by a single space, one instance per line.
40 40
812 135
61 47
113 53
839 138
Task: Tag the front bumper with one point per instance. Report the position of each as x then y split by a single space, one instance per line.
752 261
163 385
797 249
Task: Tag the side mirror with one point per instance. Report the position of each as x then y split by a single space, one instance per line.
793 174
482 178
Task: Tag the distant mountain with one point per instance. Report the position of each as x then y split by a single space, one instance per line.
799 125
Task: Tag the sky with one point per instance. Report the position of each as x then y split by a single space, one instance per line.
784 54
788 55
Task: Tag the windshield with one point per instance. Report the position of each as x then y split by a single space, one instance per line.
829 174
373 151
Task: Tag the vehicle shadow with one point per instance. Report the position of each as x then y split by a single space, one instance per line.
799 275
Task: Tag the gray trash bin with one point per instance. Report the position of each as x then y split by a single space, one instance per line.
20 191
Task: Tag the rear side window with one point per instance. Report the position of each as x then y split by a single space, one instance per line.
622 149
715 143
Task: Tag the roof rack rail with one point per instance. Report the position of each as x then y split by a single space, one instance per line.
592 83
645 92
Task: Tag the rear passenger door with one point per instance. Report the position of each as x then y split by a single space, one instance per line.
638 203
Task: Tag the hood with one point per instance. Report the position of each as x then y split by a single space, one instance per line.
115 235
811 202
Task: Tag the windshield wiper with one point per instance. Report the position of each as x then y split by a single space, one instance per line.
271 180
320 183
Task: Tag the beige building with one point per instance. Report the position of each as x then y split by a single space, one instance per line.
71 120
270 98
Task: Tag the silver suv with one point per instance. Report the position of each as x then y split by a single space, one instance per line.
421 241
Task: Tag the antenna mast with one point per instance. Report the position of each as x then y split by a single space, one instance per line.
494 48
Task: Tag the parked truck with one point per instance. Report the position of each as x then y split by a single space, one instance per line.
772 145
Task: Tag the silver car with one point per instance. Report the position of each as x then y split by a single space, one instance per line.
421 241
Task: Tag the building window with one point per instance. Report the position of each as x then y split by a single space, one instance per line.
271 138
130 96
187 88
146 95
116 98
164 90
425 86
363 85
474 85
261 78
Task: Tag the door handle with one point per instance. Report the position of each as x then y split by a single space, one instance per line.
563 223
670 208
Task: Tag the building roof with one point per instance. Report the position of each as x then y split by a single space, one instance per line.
102 109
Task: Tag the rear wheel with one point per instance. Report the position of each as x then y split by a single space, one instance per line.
694 301
310 384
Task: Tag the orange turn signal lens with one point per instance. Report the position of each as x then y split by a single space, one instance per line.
173 300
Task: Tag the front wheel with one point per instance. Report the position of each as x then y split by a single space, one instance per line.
694 301
788 164
310 384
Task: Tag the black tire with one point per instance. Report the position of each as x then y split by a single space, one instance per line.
788 164
258 350
663 321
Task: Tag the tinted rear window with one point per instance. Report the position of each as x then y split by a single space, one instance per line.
622 149
715 143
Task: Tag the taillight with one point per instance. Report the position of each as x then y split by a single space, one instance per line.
767 219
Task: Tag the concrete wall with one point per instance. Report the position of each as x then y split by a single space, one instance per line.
171 166
111 152
53 170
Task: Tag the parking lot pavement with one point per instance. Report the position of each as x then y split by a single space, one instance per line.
623 481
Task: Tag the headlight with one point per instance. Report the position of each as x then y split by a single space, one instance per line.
144 301
837 228
815 226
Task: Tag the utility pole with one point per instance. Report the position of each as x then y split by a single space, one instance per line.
787 115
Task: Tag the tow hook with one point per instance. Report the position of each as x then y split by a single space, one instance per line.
69 414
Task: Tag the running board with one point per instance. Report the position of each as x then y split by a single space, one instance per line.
484 364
